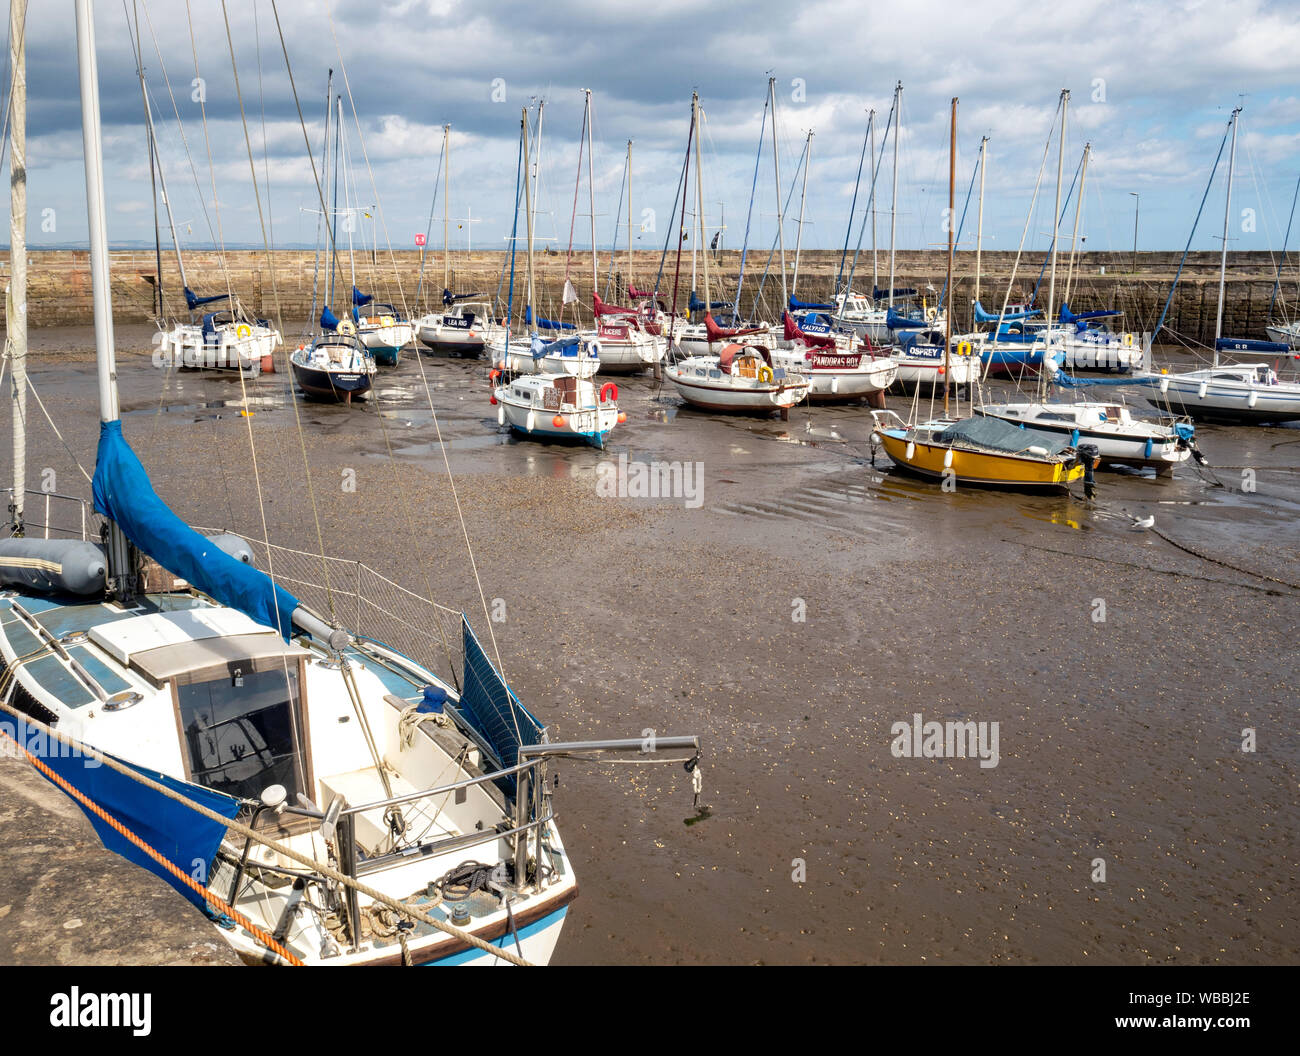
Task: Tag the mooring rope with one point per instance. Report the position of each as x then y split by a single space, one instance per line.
325 870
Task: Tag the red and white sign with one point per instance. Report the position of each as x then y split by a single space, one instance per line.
419 240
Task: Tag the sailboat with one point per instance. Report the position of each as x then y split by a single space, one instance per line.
1282 330
335 365
977 450
553 404
466 321
892 311
531 353
220 339
324 798
739 377
1228 390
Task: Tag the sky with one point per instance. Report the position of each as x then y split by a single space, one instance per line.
1152 87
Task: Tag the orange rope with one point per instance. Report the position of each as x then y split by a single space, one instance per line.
213 900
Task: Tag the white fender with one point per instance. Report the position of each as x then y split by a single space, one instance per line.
1205 385
1164 385
531 422
1254 399
947 459
911 450
501 413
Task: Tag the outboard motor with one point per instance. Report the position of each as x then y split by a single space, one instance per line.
1088 455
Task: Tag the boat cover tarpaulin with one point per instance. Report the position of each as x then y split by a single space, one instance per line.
181 836
798 305
559 346
1068 316
122 492
1013 313
492 708
997 435
328 320
193 300
718 333
602 308
546 324
794 333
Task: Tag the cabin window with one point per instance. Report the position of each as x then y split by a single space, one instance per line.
241 730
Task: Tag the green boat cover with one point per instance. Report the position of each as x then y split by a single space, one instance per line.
997 435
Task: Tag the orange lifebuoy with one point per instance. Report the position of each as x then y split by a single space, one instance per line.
609 387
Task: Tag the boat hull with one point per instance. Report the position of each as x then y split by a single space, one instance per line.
740 396
1225 402
986 469
339 386
452 340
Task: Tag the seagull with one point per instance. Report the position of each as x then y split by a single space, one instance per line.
1139 523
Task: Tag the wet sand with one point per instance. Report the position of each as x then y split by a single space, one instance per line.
1119 740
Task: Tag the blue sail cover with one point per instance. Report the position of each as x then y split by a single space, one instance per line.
122 492
879 294
328 320
173 830
1068 316
361 299
698 305
192 300
492 708
981 316
896 321
449 298
545 324
798 305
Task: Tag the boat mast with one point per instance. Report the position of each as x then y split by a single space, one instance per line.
699 196
875 257
952 203
780 218
629 217
979 227
528 211
162 182
1056 223
334 209
117 548
1078 209
803 193
446 195
1223 257
591 198
16 301
893 208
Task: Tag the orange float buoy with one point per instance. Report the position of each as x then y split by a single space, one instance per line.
558 421
622 417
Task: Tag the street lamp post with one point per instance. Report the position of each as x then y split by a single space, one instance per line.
1137 202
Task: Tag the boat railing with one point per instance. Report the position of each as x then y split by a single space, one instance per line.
368 604
56 516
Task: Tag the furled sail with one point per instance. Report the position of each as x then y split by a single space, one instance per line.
797 305
545 324
328 320
193 300
1013 313
361 299
122 491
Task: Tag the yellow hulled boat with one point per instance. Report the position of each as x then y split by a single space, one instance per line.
969 451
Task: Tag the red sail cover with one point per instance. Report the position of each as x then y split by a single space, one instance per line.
717 333
601 308
793 333
636 294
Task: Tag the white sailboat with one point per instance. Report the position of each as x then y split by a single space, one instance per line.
1231 391
739 377
221 339
325 798
466 322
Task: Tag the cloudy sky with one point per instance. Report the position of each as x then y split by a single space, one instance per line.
1152 83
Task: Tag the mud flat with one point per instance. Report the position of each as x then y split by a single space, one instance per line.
805 605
